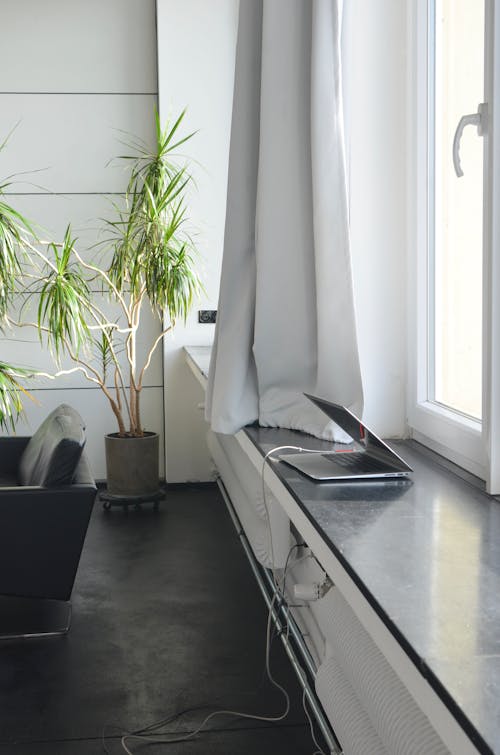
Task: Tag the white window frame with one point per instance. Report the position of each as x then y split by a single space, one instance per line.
472 444
491 308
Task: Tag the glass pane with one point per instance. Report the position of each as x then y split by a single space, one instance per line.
456 311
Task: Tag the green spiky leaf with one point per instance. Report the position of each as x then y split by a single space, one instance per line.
12 394
64 301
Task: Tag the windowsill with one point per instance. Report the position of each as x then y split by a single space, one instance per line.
450 466
425 556
455 437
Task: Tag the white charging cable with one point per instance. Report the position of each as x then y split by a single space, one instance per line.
264 497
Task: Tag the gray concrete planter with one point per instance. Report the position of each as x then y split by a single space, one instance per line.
132 465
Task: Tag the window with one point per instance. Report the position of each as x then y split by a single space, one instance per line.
454 233
456 86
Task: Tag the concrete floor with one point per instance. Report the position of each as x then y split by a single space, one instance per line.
166 616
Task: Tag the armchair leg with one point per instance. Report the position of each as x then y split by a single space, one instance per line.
29 618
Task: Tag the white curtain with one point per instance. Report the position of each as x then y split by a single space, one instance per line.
286 314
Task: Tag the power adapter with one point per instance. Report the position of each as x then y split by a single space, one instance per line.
313 591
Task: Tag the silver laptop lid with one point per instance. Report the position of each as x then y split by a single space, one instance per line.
358 431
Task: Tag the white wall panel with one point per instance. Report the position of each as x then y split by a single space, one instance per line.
98 417
203 84
70 139
90 46
185 425
50 215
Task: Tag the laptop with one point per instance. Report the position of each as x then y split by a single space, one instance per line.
368 458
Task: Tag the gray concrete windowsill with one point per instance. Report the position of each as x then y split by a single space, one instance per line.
425 555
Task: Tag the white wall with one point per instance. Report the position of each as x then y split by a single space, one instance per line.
374 56
72 74
196 49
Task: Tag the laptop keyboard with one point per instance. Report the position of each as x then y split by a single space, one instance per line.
357 461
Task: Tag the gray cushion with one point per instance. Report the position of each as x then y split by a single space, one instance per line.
52 454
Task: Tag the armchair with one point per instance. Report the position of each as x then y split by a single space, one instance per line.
46 497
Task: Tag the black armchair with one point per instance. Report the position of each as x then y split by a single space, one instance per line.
46 497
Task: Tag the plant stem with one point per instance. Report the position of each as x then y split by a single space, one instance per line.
138 411
151 352
106 277
89 372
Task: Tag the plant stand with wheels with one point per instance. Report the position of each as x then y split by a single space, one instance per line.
108 500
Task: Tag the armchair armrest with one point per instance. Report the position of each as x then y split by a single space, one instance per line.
43 531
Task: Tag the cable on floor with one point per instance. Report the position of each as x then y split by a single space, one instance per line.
141 736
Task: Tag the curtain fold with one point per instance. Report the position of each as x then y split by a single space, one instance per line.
286 321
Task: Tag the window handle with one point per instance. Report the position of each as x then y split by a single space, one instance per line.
478 119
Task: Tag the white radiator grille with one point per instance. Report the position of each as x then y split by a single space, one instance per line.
398 722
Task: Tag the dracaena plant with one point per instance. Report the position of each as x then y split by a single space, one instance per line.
151 263
15 231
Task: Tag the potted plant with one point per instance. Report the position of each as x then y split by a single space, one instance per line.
150 263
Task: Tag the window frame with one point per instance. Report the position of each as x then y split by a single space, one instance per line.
472 444
491 307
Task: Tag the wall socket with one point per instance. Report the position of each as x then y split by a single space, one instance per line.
207 316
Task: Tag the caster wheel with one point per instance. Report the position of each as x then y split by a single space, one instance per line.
106 505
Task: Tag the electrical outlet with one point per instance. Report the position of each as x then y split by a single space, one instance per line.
207 316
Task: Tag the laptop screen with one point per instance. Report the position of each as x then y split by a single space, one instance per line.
360 434
343 418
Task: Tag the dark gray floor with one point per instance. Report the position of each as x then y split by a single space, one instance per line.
167 616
